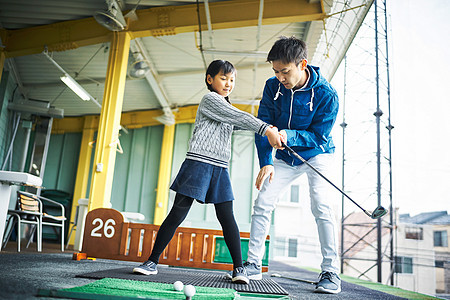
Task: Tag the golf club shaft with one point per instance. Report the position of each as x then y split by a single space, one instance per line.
292 278
321 175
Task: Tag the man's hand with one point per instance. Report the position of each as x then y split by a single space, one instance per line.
283 136
262 175
273 137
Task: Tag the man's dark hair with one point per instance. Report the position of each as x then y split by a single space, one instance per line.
215 67
287 50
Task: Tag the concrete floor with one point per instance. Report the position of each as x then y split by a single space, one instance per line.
23 274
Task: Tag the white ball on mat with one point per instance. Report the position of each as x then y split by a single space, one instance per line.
178 286
189 290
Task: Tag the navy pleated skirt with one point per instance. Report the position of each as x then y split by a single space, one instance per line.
204 182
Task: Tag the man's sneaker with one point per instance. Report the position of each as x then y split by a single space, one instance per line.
147 268
240 275
329 282
253 271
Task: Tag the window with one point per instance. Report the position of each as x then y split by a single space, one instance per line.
403 265
414 233
439 263
292 248
295 193
440 238
285 247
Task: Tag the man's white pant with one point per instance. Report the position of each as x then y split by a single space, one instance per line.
267 200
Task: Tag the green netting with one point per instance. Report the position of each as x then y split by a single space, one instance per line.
148 290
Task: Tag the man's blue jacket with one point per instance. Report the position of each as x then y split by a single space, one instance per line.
307 115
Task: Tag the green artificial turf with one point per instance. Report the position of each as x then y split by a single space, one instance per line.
148 290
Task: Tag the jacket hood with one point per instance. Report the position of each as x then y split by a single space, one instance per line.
315 78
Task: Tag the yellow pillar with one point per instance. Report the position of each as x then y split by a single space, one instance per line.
84 164
108 128
165 167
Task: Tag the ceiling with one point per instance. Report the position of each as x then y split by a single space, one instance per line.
232 30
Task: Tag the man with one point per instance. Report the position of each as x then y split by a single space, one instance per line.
303 105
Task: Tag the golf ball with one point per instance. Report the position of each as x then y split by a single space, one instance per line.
178 286
189 290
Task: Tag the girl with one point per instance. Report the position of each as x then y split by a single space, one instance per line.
204 173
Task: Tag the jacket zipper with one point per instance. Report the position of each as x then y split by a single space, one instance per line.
289 123
290 109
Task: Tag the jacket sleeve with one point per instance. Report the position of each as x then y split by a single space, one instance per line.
214 107
266 113
319 130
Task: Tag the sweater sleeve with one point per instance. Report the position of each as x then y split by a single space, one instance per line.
215 107
265 113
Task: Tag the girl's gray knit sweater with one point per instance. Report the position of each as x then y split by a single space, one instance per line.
211 139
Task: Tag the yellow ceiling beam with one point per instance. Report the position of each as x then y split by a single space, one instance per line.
225 14
60 36
158 21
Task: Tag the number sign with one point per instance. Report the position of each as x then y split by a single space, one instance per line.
103 231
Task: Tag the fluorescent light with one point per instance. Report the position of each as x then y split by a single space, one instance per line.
76 87
259 54
72 84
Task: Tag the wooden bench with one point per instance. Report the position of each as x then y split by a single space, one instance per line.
107 235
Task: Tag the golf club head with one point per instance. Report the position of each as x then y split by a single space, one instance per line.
379 212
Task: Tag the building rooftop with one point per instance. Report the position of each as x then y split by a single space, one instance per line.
434 217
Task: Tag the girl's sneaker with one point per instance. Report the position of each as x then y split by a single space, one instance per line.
240 275
147 268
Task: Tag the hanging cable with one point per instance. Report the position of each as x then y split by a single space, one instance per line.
200 34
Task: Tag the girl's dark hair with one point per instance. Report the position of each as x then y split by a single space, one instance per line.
215 67
287 50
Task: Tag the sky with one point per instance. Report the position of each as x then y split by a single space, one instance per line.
419 61
421 104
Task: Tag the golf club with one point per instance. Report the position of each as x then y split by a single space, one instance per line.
292 278
377 212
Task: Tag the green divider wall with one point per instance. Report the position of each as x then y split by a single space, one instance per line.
62 162
243 176
136 171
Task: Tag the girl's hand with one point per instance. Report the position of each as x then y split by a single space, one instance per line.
274 137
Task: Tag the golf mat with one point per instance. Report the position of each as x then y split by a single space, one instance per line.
203 278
